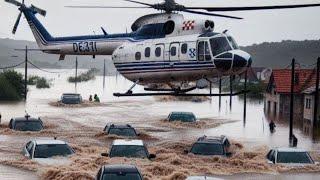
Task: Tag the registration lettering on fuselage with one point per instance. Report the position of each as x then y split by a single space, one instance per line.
85 46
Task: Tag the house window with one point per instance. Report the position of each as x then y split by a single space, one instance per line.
308 103
147 52
296 78
138 55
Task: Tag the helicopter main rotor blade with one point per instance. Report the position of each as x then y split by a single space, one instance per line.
138 2
15 27
211 14
253 8
14 2
102 7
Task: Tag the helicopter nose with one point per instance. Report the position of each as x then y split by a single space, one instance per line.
241 59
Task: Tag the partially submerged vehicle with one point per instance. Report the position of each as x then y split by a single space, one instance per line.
71 98
289 156
45 151
182 116
26 123
119 172
209 146
129 149
121 130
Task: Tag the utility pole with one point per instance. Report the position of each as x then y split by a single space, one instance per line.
104 73
76 75
245 97
26 74
231 90
316 96
291 99
220 84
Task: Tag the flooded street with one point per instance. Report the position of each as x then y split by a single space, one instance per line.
82 127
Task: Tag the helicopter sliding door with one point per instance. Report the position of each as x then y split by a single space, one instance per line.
174 51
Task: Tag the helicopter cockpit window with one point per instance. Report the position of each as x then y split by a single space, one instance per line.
203 51
138 55
184 48
158 52
233 43
147 52
173 51
219 45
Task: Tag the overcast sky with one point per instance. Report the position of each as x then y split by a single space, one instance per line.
257 26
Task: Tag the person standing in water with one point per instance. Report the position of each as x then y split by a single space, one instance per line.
90 98
272 125
96 98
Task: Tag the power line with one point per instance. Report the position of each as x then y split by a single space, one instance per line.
13 66
43 69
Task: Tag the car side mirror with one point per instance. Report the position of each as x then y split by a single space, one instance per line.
185 151
138 134
228 154
152 156
105 154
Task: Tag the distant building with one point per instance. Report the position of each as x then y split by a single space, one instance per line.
277 96
257 74
308 112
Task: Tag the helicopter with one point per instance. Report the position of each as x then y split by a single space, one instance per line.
163 49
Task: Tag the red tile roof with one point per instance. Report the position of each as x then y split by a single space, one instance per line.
281 78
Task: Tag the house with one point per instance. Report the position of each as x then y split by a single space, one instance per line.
308 112
277 96
257 74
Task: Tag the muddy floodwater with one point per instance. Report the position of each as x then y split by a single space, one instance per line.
82 125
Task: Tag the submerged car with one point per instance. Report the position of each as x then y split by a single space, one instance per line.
209 146
289 156
119 172
120 130
182 116
26 123
129 149
36 149
71 98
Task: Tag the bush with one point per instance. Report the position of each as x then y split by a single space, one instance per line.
42 83
32 80
86 76
11 85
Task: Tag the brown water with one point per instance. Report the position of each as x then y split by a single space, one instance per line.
82 125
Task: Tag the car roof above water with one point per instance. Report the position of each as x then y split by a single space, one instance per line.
25 119
119 126
288 149
212 139
124 142
70 94
48 141
120 168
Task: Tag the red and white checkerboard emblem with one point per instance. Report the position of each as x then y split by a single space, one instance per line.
188 25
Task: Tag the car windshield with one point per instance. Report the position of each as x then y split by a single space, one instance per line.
207 149
121 176
219 45
293 157
128 151
122 131
233 42
28 126
184 117
50 150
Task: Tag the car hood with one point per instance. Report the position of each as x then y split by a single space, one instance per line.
54 161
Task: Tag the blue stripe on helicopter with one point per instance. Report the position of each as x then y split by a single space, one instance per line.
165 70
162 64
166 66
